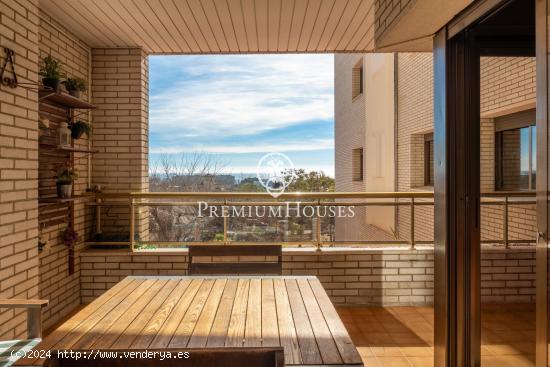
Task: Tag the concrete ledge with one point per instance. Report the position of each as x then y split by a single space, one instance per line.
286 251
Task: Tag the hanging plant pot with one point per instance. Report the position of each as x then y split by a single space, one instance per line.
64 189
79 128
52 83
75 93
76 132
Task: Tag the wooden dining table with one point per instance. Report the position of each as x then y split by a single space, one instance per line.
169 312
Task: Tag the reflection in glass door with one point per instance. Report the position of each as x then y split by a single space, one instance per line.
508 214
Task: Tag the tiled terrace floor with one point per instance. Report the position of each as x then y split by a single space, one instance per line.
403 336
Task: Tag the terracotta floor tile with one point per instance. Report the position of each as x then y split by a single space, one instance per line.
503 349
371 362
417 351
387 351
403 336
378 338
421 361
365 352
494 361
394 362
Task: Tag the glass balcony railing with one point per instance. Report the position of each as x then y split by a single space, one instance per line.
156 220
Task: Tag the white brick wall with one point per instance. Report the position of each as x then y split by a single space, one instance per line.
506 83
360 277
348 136
19 267
120 90
56 285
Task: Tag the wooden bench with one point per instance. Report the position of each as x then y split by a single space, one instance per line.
207 357
12 350
235 267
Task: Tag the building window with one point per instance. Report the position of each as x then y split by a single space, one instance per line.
357 80
515 151
516 163
429 159
357 164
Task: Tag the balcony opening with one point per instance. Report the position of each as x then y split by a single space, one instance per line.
215 123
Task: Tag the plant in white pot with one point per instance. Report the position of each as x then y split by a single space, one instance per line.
74 86
65 177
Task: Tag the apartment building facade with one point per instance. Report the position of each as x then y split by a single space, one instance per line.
394 130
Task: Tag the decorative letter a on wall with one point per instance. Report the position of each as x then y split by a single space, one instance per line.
8 77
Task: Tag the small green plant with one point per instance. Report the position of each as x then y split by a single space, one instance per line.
80 127
51 68
75 84
218 237
66 174
144 246
51 72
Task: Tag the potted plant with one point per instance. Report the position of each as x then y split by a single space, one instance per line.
66 175
74 86
51 73
70 237
80 127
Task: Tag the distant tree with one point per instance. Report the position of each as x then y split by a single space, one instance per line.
249 187
250 184
186 172
312 181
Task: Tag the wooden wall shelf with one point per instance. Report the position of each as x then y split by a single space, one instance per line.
63 99
55 200
68 149
55 214
79 150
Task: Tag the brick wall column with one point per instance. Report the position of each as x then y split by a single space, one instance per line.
19 164
120 90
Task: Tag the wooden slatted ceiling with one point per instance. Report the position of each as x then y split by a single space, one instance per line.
220 26
214 312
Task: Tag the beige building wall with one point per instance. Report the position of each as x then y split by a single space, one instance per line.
414 121
507 86
348 135
380 135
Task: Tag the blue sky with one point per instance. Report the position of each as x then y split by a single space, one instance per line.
240 107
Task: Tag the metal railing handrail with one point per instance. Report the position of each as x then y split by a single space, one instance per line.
411 199
286 195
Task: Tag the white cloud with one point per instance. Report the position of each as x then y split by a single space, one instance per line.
311 145
242 95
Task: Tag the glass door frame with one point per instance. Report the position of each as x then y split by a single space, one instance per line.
541 46
457 299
